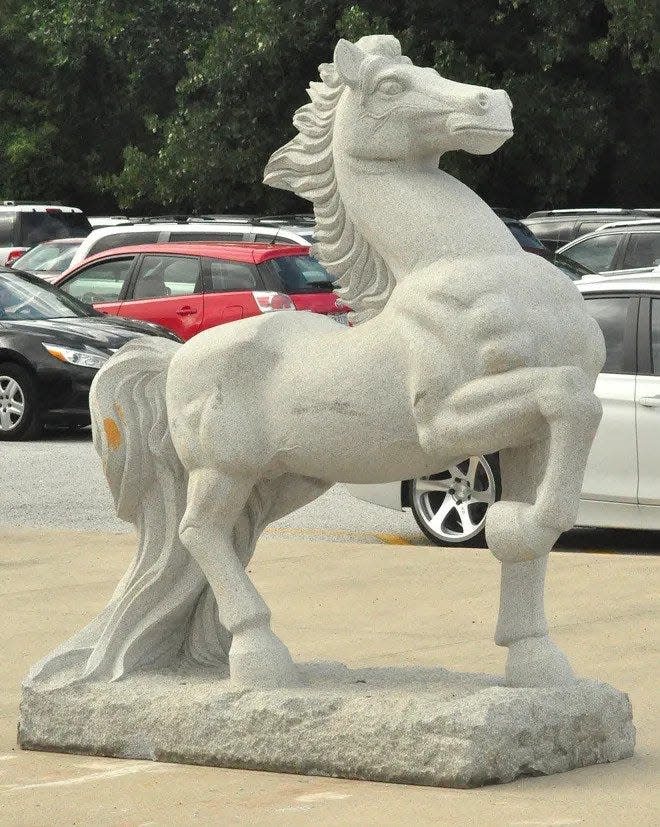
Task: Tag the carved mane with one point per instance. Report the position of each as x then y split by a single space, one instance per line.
306 166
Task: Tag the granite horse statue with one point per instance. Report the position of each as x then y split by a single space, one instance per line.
462 345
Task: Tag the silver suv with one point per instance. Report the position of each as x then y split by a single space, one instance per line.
558 227
618 248
24 224
269 229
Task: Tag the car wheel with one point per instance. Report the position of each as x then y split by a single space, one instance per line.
450 507
19 411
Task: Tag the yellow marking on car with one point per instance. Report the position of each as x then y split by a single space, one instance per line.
112 433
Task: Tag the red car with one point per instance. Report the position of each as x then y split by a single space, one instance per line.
191 286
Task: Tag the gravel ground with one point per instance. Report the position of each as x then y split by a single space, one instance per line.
57 482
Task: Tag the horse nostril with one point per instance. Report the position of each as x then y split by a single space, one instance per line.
482 100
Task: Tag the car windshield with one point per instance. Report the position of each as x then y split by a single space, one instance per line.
570 267
302 274
52 256
524 236
23 300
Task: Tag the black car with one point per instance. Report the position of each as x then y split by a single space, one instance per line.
51 346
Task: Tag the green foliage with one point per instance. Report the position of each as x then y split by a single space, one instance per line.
177 104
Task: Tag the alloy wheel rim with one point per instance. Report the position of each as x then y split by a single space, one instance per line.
453 503
12 404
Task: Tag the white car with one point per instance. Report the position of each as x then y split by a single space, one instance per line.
619 248
275 231
621 487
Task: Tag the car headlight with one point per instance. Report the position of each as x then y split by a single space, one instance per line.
77 357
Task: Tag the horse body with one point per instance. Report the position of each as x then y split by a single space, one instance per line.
321 401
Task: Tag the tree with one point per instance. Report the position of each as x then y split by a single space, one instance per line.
178 105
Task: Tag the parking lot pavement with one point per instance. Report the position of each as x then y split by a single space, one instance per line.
338 602
57 482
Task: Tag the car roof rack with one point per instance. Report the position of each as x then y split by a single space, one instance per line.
286 218
300 219
644 222
172 218
584 211
229 218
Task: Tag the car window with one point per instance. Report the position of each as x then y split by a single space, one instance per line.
643 250
110 242
231 275
596 253
162 276
53 257
7 229
655 335
177 235
611 313
591 225
44 226
21 299
100 282
274 239
553 230
300 274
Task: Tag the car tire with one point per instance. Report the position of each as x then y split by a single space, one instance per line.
443 520
19 405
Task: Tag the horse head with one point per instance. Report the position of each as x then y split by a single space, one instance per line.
392 109
372 105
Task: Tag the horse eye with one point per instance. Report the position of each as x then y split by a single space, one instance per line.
390 87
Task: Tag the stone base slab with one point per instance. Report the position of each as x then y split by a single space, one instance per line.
405 725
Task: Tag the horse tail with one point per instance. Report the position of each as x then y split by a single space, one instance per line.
163 605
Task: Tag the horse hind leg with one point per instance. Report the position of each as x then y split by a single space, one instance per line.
257 657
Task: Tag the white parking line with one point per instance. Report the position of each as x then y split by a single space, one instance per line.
84 779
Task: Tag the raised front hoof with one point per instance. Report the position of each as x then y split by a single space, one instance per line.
537 661
513 534
259 660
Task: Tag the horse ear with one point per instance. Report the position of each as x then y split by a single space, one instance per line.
348 58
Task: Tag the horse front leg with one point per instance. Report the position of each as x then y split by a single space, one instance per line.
542 421
541 487
533 658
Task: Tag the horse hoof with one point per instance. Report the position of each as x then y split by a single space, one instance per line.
537 661
514 536
259 660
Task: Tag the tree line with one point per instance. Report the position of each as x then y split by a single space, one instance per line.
175 105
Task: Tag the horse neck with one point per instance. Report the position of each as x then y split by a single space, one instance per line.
416 214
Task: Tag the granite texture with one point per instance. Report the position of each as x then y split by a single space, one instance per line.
415 726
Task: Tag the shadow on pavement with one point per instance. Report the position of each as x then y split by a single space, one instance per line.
610 541
66 435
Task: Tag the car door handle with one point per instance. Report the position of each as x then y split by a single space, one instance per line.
186 310
649 401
